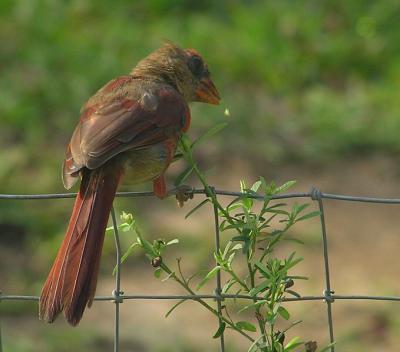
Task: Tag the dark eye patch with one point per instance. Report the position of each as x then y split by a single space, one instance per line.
196 65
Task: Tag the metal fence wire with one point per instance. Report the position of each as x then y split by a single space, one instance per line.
118 296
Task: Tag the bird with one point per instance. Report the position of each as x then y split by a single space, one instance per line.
129 128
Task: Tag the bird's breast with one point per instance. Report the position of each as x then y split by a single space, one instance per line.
146 164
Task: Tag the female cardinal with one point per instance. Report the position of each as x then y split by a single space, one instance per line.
131 125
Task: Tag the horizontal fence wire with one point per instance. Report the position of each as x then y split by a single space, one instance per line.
118 296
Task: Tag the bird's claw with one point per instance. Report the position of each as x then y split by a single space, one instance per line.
183 193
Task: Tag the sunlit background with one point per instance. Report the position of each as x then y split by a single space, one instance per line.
312 88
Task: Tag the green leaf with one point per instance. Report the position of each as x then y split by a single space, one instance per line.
174 241
213 130
313 214
262 287
256 186
327 348
278 347
220 330
185 142
239 238
263 269
293 343
168 277
146 245
276 211
183 175
236 247
285 186
295 240
297 277
232 207
228 285
245 325
197 207
126 254
247 203
283 313
292 263
230 259
177 156
226 250
209 276
256 304
175 306
294 293
297 209
157 272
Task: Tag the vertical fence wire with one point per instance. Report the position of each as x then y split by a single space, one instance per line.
218 288
1 344
117 291
317 196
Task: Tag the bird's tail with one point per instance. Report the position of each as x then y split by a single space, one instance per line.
71 283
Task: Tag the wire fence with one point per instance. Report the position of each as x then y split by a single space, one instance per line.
118 296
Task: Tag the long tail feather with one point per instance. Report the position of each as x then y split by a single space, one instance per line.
71 283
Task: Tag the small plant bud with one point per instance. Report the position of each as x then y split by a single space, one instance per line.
184 194
311 346
156 262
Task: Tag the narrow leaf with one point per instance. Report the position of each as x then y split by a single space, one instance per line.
157 273
283 313
174 241
263 269
327 348
228 285
263 286
183 176
197 207
313 214
297 209
256 186
245 325
209 276
256 304
147 246
168 277
293 343
220 330
285 186
294 293
175 306
213 130
126 255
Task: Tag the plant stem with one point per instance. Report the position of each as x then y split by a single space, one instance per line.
259 317
203 303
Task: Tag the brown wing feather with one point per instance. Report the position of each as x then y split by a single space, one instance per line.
109 127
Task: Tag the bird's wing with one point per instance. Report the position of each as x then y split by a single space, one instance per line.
109 127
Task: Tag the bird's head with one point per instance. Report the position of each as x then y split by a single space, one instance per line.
184 69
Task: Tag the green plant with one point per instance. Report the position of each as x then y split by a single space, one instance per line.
256 225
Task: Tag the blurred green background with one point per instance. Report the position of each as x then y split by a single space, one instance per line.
313 93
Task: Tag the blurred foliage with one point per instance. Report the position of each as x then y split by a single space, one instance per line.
304 79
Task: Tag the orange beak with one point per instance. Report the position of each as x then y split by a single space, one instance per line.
206 92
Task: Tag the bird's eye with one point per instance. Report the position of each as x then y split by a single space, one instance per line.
196 65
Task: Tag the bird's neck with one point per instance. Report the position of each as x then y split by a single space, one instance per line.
154 74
